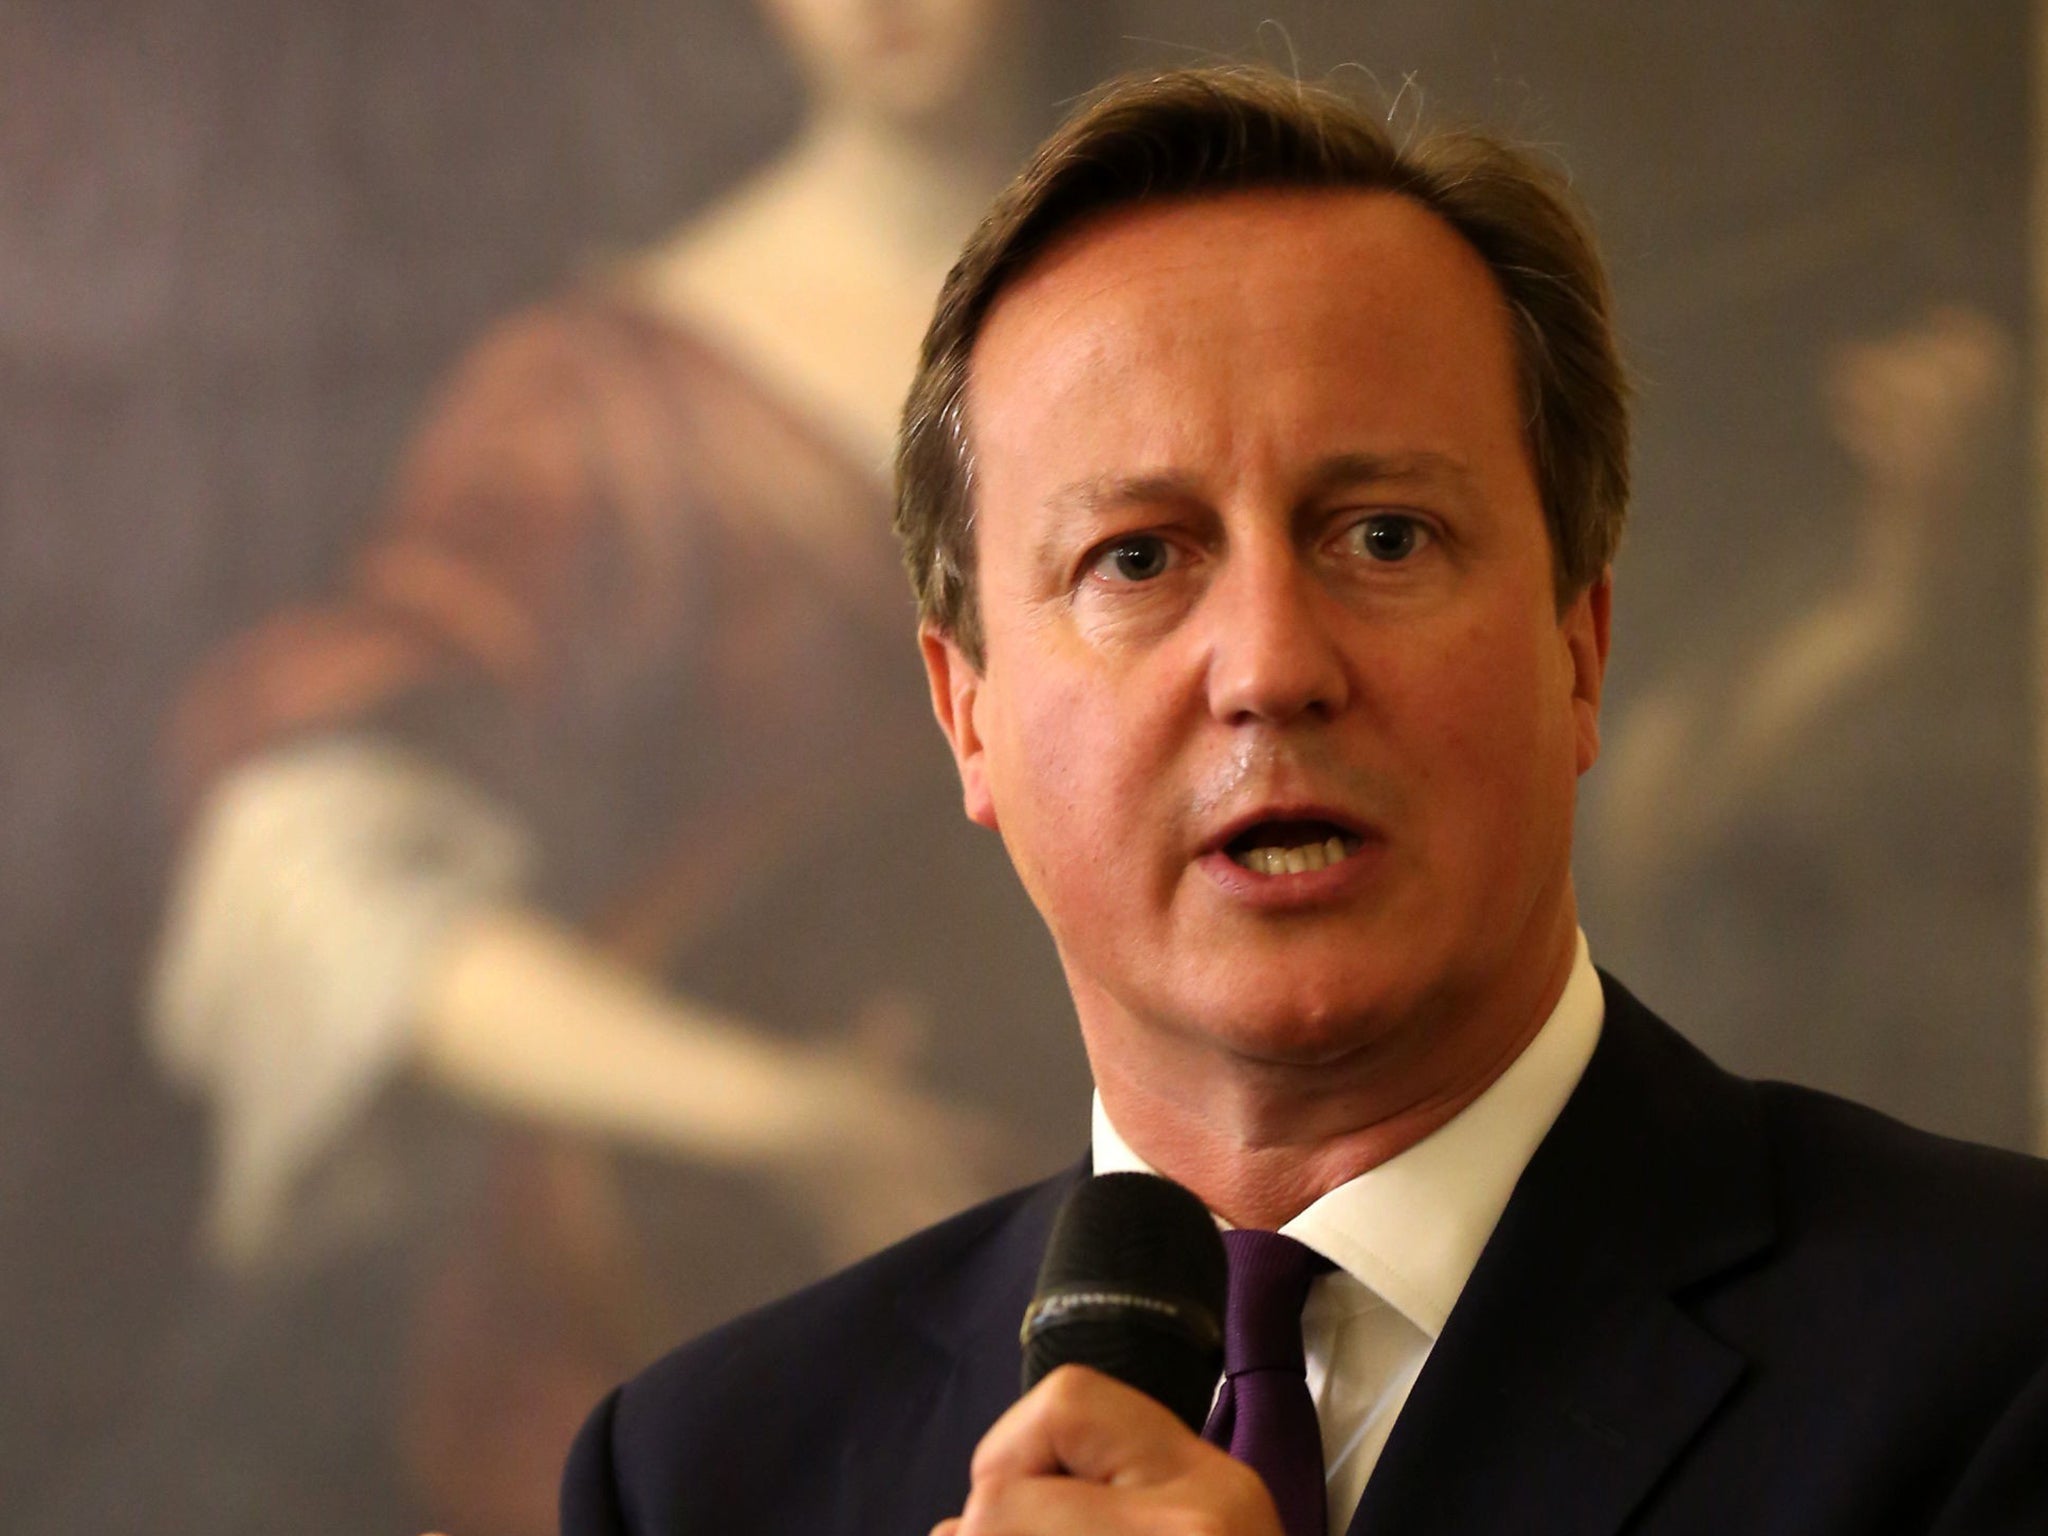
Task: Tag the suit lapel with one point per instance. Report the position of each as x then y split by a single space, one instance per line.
1569 1376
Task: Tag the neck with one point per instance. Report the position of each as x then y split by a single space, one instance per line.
913 191
1261 1141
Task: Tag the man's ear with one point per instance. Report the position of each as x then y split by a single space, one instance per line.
1587 623
956 689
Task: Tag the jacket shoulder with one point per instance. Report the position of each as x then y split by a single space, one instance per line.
1852 1180
760 1423
1840 1170
899 1286
1875 1227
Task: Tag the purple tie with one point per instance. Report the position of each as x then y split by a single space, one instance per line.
1264 1416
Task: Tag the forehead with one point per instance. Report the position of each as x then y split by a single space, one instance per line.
1359 320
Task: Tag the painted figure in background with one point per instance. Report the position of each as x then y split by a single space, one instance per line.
1908 408
1764 819
602 799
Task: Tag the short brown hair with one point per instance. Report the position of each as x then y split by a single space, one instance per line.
1207 132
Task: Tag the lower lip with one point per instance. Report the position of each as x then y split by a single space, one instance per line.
1310 888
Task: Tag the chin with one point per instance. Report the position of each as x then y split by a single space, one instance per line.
1304 1027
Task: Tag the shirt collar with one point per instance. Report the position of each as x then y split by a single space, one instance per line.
1411 1229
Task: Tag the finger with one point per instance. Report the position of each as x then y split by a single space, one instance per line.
1081 1423
1227 1497
1048 1506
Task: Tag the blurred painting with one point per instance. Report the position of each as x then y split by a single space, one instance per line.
484 894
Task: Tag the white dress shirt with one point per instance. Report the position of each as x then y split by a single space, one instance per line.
1405 1235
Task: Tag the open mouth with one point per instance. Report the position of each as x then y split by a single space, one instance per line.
1291 847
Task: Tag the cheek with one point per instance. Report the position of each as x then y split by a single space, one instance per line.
1069 782
1495 734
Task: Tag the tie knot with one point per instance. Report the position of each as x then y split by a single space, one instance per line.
1269 1280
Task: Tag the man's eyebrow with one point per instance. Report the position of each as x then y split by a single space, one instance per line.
1099 491
1338 472
1073 504
1344 470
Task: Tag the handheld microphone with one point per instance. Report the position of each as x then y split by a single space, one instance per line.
1133 1285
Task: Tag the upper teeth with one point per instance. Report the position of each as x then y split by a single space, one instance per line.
1293 860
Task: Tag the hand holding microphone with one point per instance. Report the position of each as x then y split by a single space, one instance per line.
1122 1346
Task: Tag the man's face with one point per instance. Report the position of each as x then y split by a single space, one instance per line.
1278 716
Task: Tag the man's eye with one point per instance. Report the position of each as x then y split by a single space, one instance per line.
1140 557
1389 537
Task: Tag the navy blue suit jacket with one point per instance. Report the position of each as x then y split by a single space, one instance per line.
1711 1307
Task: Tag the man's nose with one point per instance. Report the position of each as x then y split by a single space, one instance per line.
1273 651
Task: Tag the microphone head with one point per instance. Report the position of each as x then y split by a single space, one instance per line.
1133 1285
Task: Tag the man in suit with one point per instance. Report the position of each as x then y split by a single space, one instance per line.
1260 488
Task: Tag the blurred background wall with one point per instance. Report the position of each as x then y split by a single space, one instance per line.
247 252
